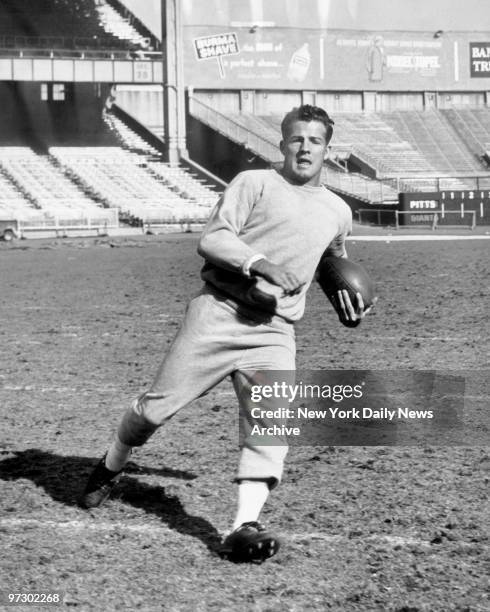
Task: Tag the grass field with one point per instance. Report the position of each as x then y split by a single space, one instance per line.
84 323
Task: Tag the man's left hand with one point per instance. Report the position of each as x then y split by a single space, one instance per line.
348 314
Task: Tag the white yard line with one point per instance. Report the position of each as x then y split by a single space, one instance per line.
104 527
422 238
28 388
433 338
381 537
25 523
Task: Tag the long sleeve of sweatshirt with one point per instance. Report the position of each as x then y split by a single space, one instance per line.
220 243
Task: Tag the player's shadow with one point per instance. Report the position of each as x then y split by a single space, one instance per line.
63 479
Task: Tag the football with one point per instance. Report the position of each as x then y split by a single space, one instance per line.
337 273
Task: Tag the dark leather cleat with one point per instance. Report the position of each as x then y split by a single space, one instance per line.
251 542
99 486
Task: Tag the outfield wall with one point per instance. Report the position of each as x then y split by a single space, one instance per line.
454 207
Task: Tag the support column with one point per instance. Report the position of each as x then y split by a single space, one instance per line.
173 82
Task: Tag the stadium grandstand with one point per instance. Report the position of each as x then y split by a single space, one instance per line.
122 113
68 161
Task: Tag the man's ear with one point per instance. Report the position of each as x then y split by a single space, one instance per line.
329 134
281 147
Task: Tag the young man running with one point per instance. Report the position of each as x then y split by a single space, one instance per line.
261 248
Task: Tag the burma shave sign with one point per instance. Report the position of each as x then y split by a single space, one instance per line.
480 59
208 47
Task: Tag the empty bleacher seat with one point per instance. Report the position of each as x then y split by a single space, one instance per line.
178 179
119 27
432 135
66 24
473 127
46 188
128 138
120 179
360 186
401 142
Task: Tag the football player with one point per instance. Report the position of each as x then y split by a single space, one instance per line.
261 248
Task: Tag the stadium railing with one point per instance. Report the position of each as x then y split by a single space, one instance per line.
65 53
263 147
62 42
371 190
61 225
436 182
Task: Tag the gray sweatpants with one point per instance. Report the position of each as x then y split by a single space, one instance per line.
215 341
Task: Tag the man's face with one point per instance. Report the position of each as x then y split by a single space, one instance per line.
304 148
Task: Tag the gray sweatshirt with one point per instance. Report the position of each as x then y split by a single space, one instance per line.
261 212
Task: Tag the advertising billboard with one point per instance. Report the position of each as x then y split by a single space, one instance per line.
480 60
295 58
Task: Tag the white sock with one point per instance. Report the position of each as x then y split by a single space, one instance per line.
252 495
117 455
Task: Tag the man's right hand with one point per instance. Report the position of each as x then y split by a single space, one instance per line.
277 275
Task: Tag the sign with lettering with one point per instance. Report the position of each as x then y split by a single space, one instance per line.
480 60
419 200
446 203
143 72
296 58
217 46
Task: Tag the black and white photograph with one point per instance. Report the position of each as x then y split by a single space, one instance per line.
244 305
